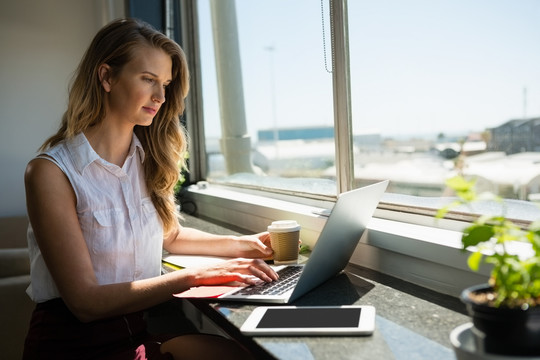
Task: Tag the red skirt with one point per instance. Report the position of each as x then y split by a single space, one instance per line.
55 333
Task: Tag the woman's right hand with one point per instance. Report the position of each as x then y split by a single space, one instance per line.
247 271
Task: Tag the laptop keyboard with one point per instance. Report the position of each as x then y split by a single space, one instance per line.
288 277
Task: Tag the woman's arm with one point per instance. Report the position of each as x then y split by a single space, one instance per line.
51 205
192 241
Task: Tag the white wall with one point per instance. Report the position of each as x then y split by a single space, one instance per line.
42 43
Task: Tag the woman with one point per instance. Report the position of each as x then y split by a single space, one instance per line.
101 208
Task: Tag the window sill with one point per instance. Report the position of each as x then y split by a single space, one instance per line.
420 254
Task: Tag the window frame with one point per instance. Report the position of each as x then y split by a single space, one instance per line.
404 241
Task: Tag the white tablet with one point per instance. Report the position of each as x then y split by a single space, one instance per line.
310 320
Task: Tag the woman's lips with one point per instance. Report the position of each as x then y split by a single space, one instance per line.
152 111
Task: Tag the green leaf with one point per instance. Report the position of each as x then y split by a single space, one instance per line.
476 234
458 183
534 239
441 213
304 249
474 260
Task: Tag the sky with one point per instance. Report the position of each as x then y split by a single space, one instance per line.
418 67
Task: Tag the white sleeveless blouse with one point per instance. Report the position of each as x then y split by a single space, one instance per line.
120 224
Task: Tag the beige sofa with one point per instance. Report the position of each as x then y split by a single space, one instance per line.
15 306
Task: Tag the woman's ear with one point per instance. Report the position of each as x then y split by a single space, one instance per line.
105 75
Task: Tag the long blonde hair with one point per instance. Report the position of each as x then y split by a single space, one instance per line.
165 140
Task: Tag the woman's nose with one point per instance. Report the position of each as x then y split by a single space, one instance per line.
159 95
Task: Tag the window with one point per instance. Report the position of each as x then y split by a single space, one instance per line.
435 88
267 95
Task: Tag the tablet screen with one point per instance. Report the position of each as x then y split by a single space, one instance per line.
310 318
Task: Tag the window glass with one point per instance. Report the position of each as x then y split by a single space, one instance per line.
437 88
442 87
267 93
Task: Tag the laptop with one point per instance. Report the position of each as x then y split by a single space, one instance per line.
332 252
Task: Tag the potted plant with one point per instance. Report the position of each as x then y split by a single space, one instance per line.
505 312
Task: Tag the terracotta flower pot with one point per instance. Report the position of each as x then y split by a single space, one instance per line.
503 330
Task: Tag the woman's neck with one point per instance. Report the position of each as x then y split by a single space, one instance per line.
111 144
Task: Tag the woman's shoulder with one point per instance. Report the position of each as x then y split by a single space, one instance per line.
48 164
44 180
42 168
51 158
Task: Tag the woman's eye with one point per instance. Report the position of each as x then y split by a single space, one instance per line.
149 80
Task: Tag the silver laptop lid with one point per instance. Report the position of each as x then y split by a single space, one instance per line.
340 236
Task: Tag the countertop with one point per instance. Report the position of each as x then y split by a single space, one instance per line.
411 323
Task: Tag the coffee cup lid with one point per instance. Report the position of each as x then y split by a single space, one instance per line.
284 226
